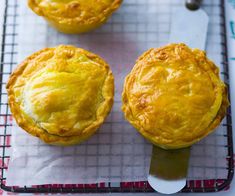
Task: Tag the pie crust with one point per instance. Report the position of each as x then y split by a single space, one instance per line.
61 95
174 96
75 16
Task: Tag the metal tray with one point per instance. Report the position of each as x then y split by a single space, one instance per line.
220 141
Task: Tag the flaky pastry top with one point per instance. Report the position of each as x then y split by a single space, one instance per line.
75 11
174 96
61 92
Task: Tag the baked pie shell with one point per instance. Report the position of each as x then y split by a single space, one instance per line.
132 112
78 24
28 125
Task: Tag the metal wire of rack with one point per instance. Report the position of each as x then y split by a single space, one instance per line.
8 61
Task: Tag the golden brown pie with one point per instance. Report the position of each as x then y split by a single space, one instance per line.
61 95
174 96
75 16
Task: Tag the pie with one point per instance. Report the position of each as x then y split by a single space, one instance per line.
75 16
61 95
174 96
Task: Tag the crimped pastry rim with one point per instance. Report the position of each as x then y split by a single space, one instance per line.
129 116
77 20
101 112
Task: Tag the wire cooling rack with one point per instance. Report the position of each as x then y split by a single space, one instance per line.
212 174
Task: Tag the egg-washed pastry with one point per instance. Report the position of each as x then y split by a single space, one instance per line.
75 16
61 95
174 96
